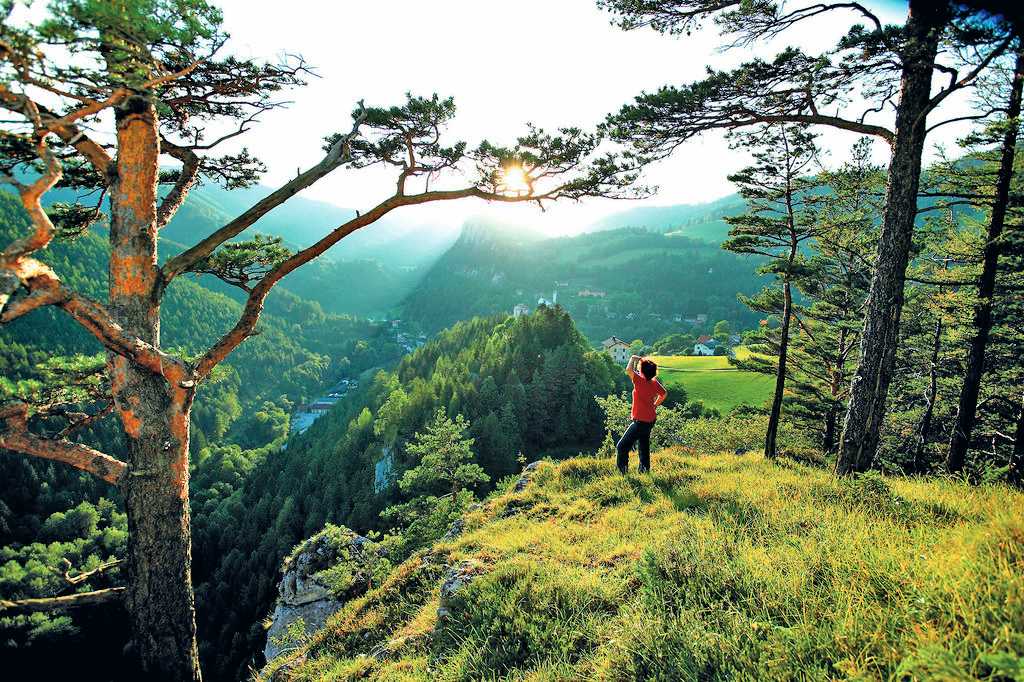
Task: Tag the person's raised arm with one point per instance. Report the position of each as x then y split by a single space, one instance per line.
631 365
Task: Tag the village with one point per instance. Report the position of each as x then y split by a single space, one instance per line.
619 349
304 415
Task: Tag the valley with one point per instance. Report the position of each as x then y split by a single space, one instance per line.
586 340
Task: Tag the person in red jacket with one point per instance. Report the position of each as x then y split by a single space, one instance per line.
648 393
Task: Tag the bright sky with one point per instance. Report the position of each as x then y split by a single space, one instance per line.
552 62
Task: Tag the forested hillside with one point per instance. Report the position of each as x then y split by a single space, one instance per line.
50 512
525 385
647 283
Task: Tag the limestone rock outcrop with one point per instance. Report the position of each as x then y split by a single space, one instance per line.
321 575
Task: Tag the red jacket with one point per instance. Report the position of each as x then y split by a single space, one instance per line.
644 393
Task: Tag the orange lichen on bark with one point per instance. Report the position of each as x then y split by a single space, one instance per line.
132 423
179 472
132 274
137 162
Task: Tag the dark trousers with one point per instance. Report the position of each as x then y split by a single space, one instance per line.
640 433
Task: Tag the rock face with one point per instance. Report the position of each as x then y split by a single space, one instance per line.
524 480
320 576
456 578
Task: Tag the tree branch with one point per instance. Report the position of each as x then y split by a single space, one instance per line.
338 154
82 577
71 601
254 304
833 121
190 163
18 438
44 288
69 133
971 75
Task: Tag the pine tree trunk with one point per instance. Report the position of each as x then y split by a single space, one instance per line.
1017 459
925 425
967 407
880 335
154 411
770 446
828 440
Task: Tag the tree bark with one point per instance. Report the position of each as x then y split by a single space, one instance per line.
880 334
828 440
925 425
1017 458
967 407
154 410
770 447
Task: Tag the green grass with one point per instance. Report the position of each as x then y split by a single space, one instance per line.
714 381
718 567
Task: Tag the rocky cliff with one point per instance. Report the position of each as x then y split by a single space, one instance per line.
318 578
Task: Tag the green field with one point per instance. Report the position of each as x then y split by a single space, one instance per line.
714 381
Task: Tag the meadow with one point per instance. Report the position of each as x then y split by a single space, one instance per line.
712 567
713 381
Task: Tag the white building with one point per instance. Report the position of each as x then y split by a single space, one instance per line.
549 301
520 310
705 346
617 348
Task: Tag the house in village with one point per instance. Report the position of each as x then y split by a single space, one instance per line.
548 301
520 310
617 348
322 406
705 345
584 293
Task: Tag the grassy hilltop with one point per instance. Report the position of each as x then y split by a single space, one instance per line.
714 567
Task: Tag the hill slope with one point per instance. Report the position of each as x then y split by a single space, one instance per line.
717 567
630 282
697 221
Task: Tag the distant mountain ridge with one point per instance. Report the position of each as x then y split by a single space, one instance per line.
380 270
629 282
703 221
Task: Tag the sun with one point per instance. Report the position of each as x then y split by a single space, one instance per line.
514 180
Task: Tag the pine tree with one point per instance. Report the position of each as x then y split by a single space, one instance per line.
833 284
776 226
146 75
968 402
445 459
890 66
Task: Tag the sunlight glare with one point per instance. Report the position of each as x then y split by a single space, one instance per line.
514 180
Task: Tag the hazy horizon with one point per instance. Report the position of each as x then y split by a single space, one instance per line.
554 64
551 64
